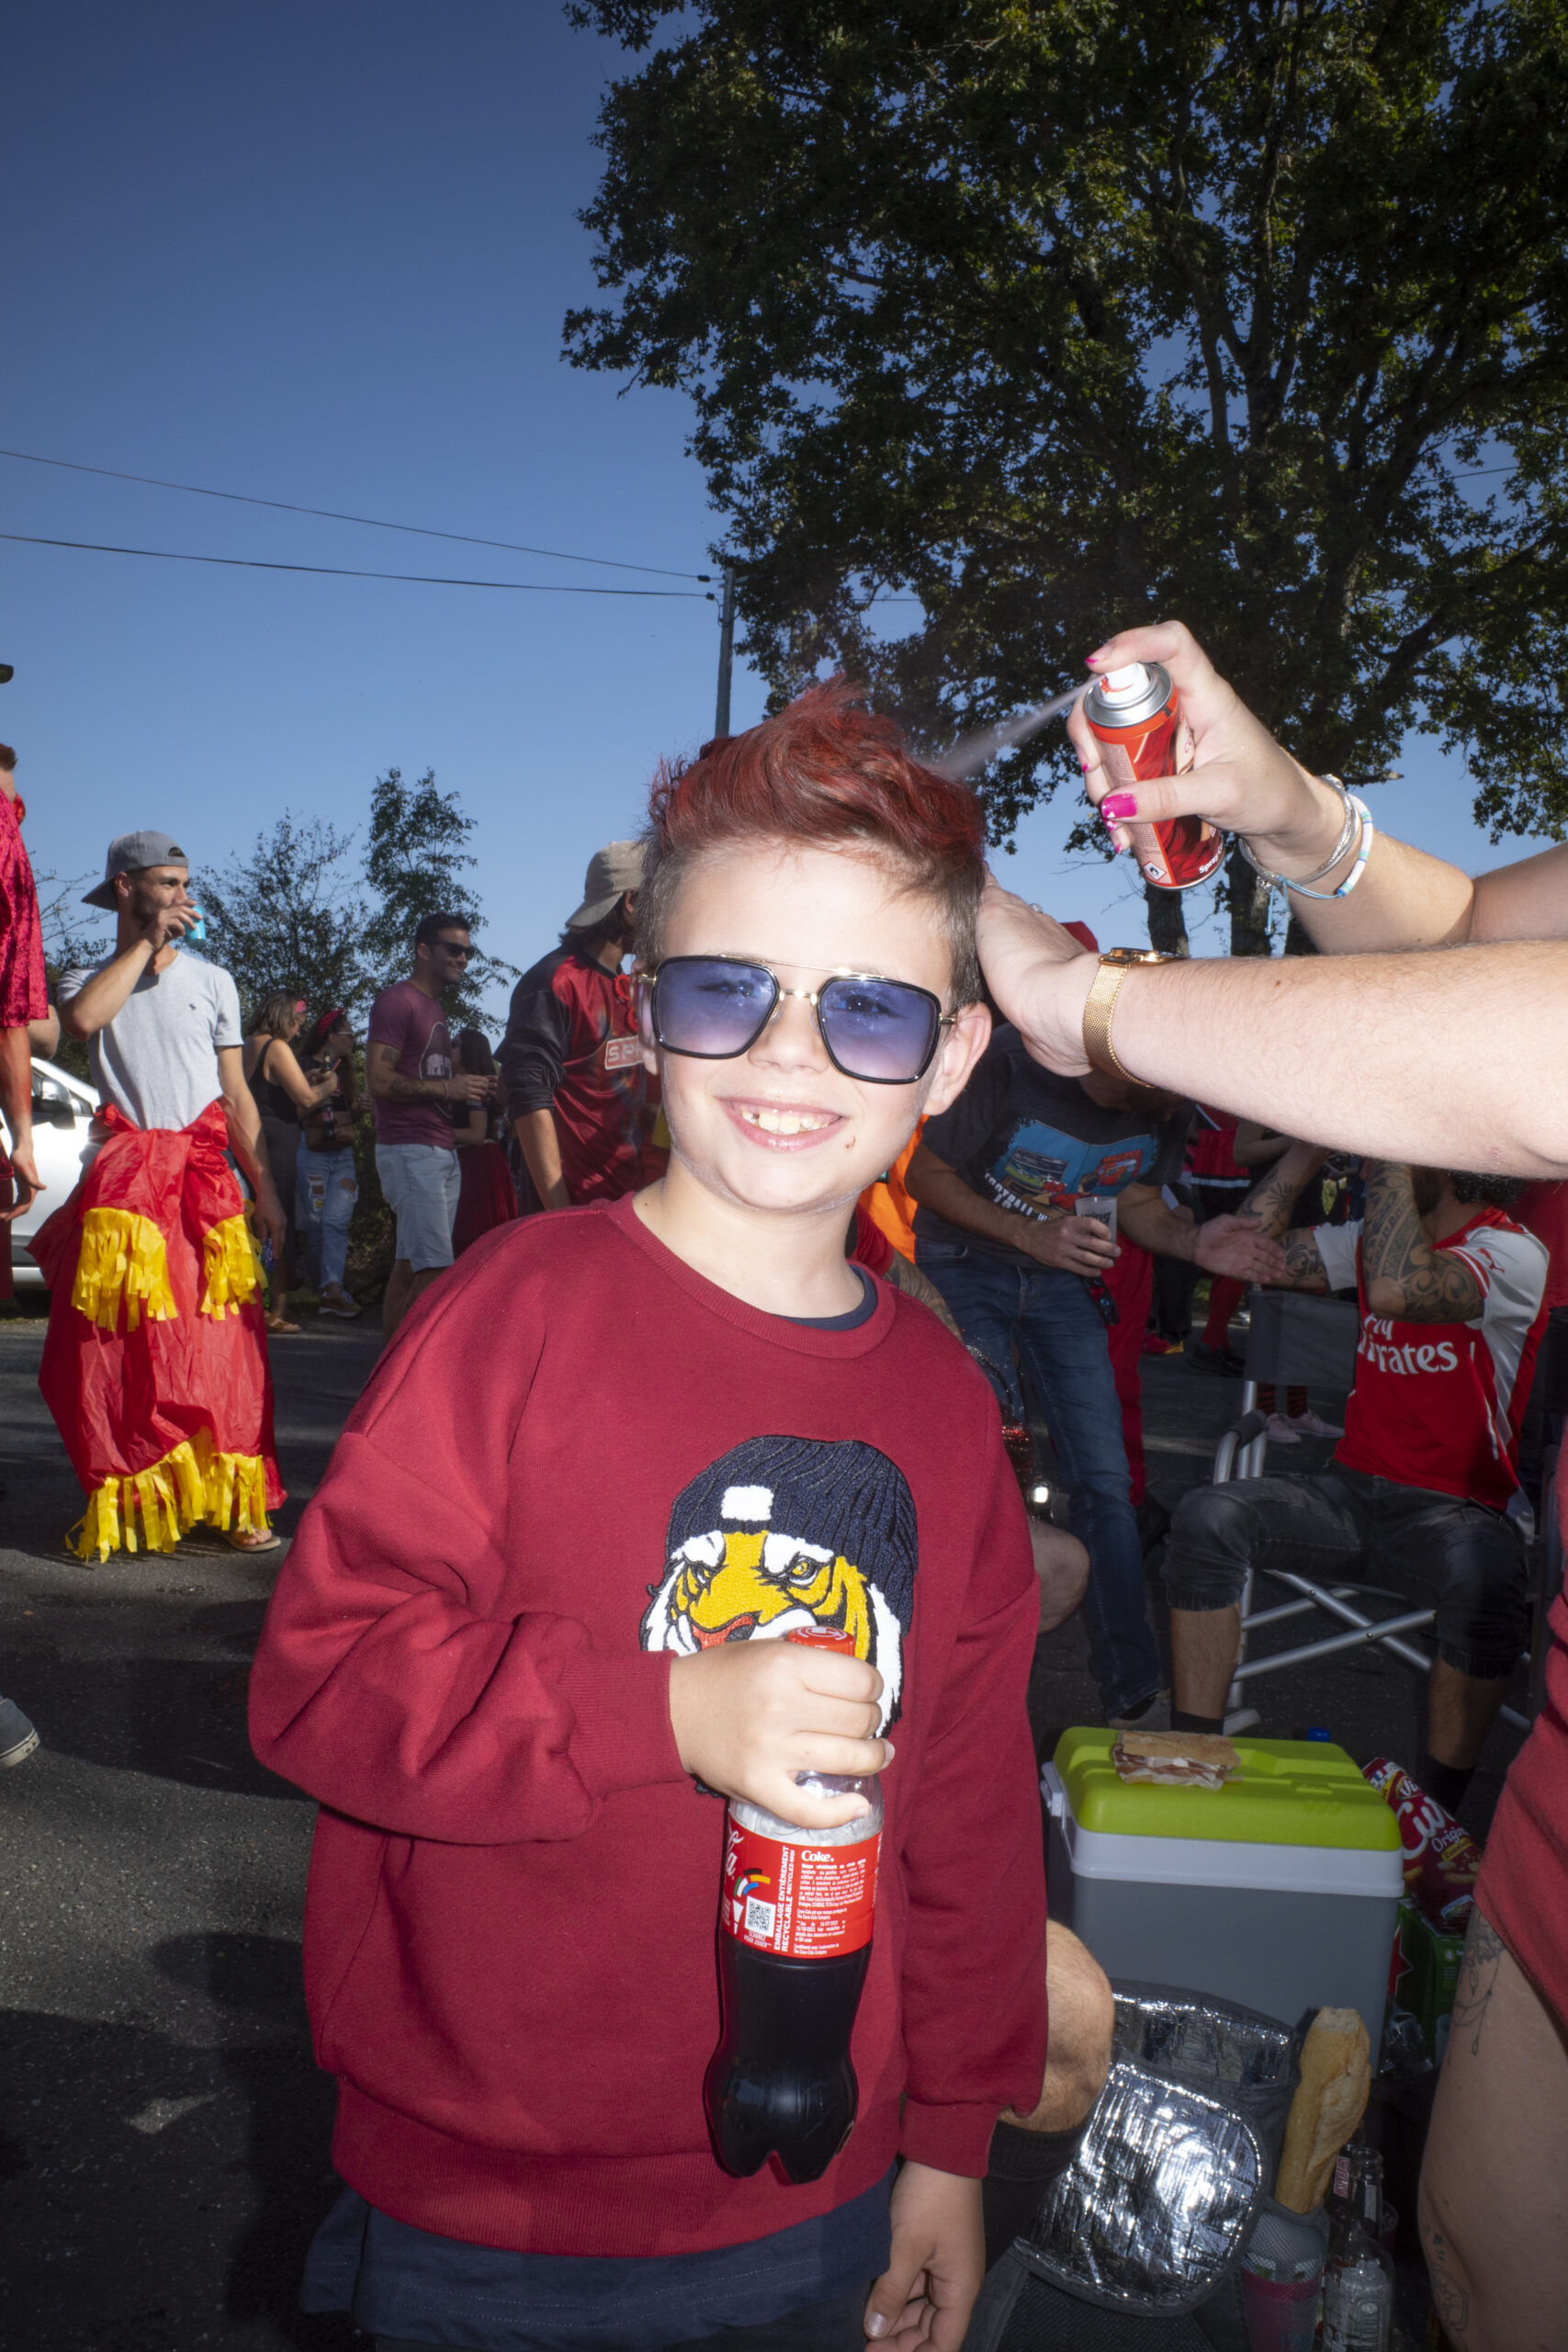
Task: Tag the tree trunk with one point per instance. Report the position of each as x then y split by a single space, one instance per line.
1168 919
1248 900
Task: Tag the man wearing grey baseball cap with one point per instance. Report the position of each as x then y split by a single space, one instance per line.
156 1363
583 1106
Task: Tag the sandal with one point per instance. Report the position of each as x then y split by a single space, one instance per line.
251 1539
280 1325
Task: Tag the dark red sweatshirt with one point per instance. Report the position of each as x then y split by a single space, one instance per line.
559 1476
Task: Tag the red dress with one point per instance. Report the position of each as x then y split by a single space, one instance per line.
24 995
488 1196
155 1365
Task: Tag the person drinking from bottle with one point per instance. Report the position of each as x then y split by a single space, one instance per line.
519 1710
156 1365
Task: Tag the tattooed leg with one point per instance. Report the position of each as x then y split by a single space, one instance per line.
1477 1980
1493 2206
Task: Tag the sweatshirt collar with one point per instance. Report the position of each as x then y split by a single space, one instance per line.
775 1331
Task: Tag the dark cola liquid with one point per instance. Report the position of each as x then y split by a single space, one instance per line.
781 2084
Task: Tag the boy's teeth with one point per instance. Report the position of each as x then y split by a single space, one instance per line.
786 1123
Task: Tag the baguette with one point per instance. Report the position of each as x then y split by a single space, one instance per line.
1329 2103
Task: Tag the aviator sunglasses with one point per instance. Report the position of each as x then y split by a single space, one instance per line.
714 1007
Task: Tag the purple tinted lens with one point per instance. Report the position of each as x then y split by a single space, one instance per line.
881 1030
702 1005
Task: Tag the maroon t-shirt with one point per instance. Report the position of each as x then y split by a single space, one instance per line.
416 1027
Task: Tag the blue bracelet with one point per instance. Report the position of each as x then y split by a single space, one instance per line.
1357 814
1363 851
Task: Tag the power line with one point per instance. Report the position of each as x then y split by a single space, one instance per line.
341 571
328 514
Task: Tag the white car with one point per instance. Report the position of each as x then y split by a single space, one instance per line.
62 1111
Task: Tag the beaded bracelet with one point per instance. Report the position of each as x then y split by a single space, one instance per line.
1357 827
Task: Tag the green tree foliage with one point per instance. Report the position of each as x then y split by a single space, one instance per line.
1052 316
301 911
290 915
416 856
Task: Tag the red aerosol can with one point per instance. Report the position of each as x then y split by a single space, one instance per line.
794 1928
1132 715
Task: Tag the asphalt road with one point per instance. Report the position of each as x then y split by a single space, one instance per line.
165 2139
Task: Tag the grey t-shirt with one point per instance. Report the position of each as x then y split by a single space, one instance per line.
157 1059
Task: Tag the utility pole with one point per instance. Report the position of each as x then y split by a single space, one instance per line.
725 651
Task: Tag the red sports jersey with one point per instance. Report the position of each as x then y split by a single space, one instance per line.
1211 1153
1434 1403
571 1048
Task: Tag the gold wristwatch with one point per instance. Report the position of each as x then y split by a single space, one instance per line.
1100 1005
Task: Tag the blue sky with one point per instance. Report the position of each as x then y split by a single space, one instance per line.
322 255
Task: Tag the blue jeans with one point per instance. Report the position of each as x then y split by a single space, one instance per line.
1049 1318
327 1189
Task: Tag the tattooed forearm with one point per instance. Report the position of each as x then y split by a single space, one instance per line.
1405 1276
1272 1200
1477 1982
1305 1268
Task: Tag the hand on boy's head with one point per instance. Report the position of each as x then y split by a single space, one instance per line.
748 1715
1040 977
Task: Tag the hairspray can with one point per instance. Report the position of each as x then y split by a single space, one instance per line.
1132 713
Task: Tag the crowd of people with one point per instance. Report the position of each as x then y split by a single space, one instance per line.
884 1165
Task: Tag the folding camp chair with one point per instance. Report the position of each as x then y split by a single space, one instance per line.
1296 1341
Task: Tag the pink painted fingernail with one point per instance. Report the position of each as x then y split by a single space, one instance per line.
1083 763
1091 661
1118 804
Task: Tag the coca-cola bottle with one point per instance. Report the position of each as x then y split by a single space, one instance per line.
794 1925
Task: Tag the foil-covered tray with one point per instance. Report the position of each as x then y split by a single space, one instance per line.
1154 2210
1209 2045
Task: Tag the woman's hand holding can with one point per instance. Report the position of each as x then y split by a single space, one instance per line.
1240 778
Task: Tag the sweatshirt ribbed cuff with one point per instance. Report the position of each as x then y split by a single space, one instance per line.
949 2138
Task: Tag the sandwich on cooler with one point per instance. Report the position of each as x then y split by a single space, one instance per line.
1176 1759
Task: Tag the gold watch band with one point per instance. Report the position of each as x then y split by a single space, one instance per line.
1099 1007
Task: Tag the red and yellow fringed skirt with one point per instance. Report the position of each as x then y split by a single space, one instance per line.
155 1366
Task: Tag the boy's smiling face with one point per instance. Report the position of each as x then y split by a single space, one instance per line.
779 1129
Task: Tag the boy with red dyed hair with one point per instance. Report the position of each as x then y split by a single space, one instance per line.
516 1710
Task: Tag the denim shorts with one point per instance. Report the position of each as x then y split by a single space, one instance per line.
1469 1561
422 1183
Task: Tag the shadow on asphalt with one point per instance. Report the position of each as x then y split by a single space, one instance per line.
161 2196
177 1719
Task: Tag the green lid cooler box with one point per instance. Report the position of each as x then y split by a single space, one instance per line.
1280 1890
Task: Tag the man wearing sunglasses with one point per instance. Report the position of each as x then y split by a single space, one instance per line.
413 1077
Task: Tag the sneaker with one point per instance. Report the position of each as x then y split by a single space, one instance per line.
1309 1424
1156 1346
17 1737
338 1302
1151 1713
1222 1362
1280 1432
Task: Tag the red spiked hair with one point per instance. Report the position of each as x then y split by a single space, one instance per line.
828 771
